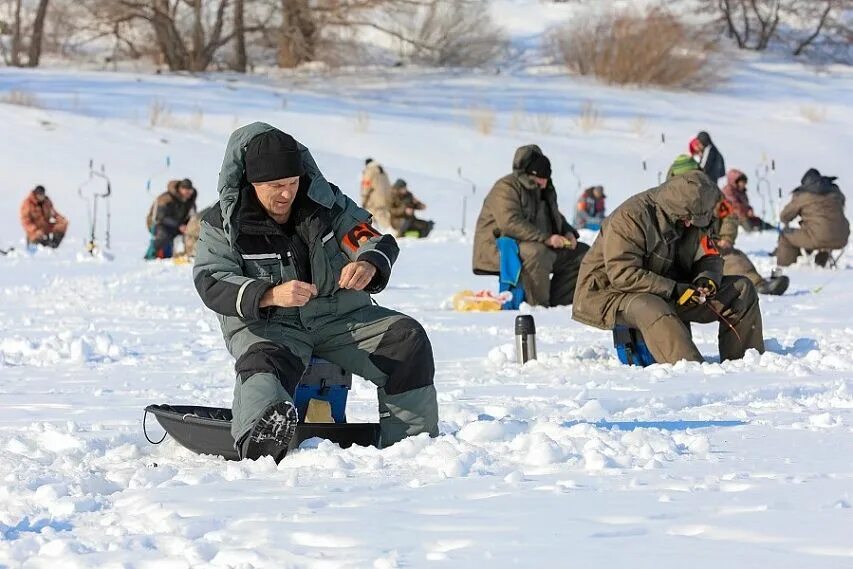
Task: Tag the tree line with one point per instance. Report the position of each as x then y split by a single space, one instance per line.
201 35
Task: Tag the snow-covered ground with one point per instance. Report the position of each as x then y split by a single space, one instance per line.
570 461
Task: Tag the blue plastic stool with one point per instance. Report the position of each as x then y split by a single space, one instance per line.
631 347
325 381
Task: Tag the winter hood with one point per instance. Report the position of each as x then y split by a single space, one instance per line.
172 190
690 196
733 176
814 182
520 162
232 175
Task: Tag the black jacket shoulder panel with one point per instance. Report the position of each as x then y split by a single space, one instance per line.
213 216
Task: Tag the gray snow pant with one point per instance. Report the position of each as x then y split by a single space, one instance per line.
385 347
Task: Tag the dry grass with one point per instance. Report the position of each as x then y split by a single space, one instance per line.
159 114
640 48
361 122
590 118
638 125
813 114
540 123
196 120
484 120
21 98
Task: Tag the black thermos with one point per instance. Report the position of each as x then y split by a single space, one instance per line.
525 338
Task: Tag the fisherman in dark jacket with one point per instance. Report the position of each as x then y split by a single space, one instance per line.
708 155
168 217
819 204
288 263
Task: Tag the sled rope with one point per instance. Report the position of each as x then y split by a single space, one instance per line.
145 432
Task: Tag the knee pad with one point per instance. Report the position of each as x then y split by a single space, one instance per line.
405 354
745 290
267 357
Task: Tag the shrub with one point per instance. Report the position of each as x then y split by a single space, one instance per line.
640 48
589 118
361 121
484 120
21 98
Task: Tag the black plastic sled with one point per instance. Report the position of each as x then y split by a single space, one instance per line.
207 430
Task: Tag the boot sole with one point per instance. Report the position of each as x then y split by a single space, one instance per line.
272 432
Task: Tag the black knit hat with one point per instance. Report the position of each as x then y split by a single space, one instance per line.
273 155
539 166
399 184
39 189
186 183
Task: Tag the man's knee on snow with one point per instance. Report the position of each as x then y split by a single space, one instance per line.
267 357
404 354
745 294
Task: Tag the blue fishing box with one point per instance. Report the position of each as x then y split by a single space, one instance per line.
631 347
325 381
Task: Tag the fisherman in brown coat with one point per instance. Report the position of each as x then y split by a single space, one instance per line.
40 220
655 268
819 204
523 206
376 193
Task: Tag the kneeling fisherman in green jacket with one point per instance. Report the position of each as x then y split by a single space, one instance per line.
288 263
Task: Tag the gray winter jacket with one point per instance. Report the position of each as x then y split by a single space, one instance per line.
242 252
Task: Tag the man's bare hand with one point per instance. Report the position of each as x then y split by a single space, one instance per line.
357 275
561 242
289 294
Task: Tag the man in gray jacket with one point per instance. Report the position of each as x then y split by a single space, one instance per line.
288 263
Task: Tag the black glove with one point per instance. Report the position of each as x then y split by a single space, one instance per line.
685 294
707 284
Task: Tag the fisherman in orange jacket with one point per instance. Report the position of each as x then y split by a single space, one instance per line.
42 223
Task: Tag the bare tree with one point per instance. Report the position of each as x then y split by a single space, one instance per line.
241 60
796 24
298 33
26 37
37 36
457 33
172 21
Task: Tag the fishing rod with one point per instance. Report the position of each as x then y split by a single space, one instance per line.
465 197
654 153
158 173
831 279
93 214
762 185
105 196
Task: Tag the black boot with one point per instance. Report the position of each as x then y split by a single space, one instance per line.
774 285
821 258
271 434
